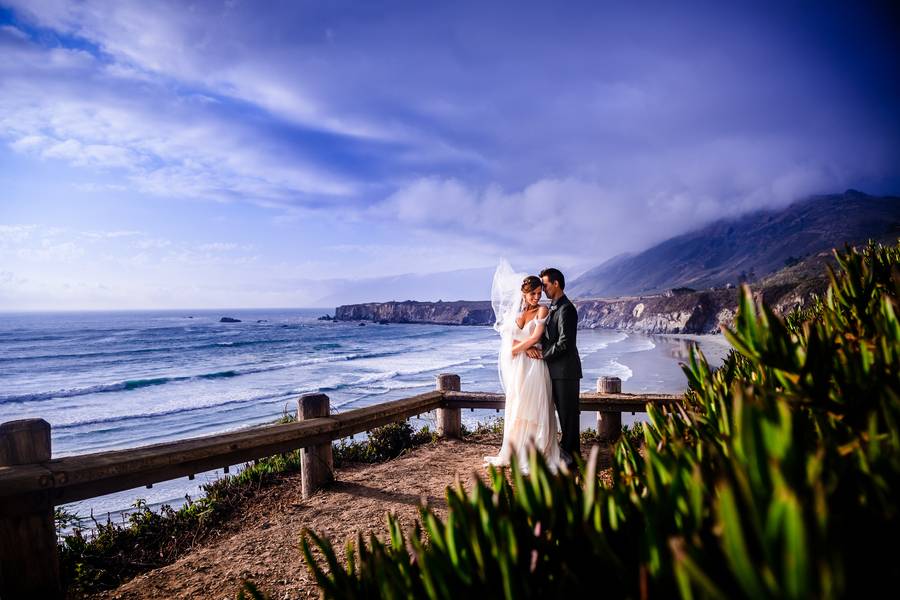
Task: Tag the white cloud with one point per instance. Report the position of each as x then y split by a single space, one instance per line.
62 104
153 243
14 32
46 251
15 234
109 235
28 143
168 41
578 219
218 247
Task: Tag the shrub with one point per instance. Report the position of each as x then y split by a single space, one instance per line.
633 432
490 427
383 443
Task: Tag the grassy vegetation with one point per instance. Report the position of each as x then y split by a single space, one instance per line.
116 552
634 433
489 427
776 476
383 443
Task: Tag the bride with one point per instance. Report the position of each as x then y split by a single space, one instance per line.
529 417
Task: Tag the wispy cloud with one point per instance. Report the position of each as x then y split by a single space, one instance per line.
65 104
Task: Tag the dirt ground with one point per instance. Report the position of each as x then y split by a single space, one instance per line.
263 544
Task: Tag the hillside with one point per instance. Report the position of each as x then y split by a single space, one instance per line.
745 249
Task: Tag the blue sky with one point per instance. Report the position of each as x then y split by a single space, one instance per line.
227 154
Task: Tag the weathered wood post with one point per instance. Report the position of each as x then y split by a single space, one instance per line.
29 567
316 462
609 423
449 420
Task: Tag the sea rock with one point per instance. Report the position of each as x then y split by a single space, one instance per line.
229 320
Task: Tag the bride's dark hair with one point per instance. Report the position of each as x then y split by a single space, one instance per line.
530 283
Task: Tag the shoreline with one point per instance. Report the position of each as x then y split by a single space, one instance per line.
715 338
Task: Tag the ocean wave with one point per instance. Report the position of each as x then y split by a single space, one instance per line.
134 351
268 399
119 386
134 384
383 379
642 345
590 346
89 354
614 368
365 393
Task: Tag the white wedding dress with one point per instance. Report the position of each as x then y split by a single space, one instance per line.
529 415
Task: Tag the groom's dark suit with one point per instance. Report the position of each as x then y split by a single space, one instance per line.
564 364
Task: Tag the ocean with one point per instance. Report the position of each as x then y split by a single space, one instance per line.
111 380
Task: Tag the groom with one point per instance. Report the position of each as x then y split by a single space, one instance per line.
563 362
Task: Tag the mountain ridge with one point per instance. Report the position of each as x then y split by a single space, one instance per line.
745 249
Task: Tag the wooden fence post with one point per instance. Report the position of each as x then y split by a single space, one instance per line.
609 424
316 462
29 566
449 420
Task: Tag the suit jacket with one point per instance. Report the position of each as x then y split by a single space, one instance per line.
558 343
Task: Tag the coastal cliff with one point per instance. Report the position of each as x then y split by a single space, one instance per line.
677 311
438 313
691 312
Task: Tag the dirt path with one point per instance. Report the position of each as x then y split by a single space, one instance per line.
264 545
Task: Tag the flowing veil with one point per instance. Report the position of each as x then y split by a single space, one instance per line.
506 300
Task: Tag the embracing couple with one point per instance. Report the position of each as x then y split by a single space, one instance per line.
539 367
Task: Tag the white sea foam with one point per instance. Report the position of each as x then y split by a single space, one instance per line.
614 368
642 345
593 341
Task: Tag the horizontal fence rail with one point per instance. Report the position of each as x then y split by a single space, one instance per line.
31 482
590 401
87 476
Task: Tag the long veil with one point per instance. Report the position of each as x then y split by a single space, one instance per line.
506 300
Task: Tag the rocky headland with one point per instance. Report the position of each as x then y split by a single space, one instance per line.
676 311
438 313
691 312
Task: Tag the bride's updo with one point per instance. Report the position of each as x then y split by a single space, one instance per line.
530 283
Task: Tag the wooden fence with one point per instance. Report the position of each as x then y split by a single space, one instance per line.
32 483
